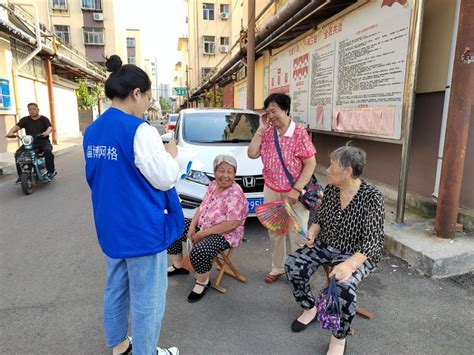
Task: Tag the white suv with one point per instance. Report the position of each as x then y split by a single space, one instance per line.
208 133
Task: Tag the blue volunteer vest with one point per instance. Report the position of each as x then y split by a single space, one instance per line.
132 218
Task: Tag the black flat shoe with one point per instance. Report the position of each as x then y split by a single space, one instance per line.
178 271
194 297
297 326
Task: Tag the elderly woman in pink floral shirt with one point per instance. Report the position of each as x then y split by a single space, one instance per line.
298 153
217 225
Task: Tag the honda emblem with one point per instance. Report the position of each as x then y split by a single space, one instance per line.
248 181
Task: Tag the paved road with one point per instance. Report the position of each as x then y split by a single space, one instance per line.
51 288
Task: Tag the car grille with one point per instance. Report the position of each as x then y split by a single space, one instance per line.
189 202
244 181
257 180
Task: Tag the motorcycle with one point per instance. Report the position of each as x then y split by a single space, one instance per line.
32 164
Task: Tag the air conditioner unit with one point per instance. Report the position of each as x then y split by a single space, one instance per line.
98 16
224 15
223 49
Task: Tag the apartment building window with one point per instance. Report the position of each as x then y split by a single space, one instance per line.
208 11
205 73
224 9
130 42
59 4
62 33
208 45
131 59
94 36
224 41
91 4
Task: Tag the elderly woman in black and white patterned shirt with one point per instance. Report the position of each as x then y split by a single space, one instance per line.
347 234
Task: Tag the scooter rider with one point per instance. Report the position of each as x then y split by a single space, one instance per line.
36 124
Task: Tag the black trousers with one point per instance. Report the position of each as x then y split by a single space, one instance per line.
302 264
46 148
204 252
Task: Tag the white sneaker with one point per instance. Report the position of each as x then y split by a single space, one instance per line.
170 351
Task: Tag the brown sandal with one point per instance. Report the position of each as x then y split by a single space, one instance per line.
269 278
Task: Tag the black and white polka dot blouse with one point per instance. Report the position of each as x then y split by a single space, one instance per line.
358 227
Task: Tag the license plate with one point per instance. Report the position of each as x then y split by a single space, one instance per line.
253 203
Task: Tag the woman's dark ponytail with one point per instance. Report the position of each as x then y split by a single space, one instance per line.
124 78
113 64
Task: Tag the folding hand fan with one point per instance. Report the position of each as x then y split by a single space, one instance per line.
297 226
274 217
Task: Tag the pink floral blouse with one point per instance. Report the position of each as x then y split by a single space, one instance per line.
229 205
295 145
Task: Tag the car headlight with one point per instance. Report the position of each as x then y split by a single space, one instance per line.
27 140
199 177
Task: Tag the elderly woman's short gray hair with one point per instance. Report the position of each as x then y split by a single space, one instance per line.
350 157
225 158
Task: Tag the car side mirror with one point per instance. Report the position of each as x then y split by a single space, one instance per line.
167 137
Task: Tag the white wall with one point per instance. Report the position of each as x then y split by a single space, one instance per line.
67 116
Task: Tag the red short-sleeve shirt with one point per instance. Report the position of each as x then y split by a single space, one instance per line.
296 146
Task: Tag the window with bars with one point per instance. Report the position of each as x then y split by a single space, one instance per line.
62 32
91 4
94 36
59 4
131 59
224 8
208 45
207 11
224 41
130 42
205 72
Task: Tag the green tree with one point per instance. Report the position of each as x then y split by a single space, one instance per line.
165 104
88 95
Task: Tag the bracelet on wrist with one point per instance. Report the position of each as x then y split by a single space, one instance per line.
298 190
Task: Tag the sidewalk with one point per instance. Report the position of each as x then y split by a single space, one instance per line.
7 160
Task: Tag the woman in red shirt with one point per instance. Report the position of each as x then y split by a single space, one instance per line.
299 156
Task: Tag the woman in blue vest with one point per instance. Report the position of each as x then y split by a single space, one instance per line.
136 210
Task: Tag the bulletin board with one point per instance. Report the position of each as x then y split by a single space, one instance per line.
5 98
349 76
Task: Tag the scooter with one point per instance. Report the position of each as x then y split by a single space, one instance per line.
32 164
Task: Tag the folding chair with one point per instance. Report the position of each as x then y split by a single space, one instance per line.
224 265
360 311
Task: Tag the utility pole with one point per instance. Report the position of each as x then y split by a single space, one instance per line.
52 113
459 116
251 56
187 85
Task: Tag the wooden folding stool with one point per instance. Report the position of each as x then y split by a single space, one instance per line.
224 265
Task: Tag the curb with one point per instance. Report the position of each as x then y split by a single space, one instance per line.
431 256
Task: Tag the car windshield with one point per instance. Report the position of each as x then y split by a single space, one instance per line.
219 127
173 118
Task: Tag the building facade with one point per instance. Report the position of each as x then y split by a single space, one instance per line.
151 68
91 27
42 71
210 31
216 32
134 48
